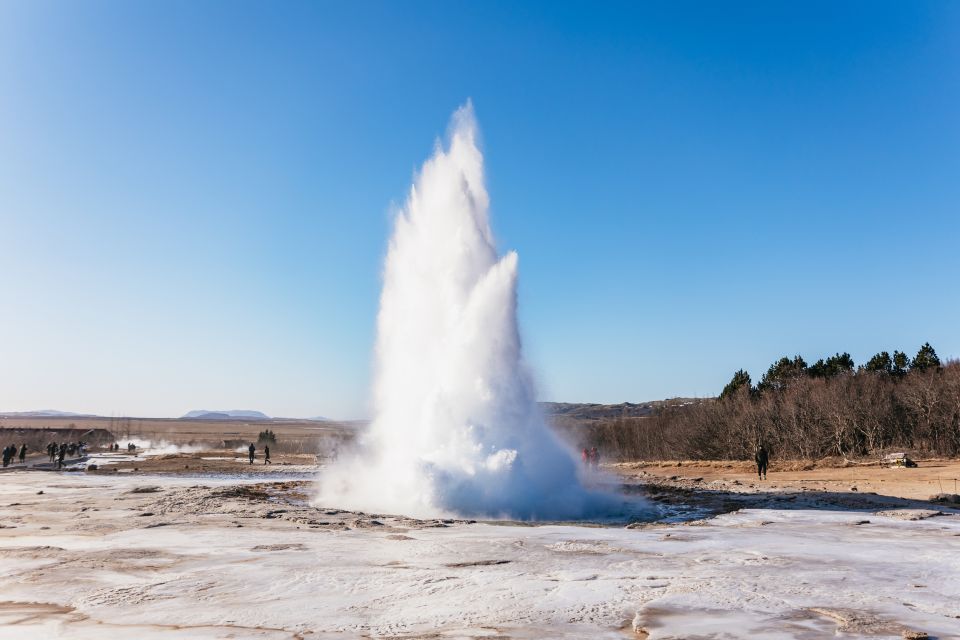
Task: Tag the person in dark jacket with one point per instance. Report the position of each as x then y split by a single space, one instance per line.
266 454
61 454
762 458
251 449
23 452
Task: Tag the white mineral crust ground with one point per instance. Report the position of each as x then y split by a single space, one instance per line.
103 569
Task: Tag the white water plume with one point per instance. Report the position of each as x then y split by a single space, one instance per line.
456 428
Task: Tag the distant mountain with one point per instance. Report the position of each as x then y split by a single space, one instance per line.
203 414
45 413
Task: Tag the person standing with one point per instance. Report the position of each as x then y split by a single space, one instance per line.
763 459
61 454
266 454
23 452
251 449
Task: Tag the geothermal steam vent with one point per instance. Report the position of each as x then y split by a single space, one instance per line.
456 428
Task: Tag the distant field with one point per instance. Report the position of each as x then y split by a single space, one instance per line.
292 435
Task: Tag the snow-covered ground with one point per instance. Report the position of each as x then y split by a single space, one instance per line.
89 558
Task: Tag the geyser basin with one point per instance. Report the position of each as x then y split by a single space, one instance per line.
456 429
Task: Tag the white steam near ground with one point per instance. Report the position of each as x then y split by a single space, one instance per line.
456 426
159 447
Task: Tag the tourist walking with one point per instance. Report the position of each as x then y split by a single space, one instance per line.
251 449
762 458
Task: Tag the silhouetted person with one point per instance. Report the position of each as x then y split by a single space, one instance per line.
251 449
6 456
23 452
762 458
61 453
266 454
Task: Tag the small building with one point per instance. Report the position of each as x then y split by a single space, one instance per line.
898 460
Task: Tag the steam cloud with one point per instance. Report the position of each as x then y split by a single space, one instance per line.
456 430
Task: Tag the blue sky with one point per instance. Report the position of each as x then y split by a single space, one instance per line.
195 197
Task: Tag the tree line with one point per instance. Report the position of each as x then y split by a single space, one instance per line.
806 411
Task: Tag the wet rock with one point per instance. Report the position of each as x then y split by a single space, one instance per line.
145 490
294 546
476 563
910 514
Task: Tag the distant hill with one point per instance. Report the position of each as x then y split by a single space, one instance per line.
590 411
203 414
45 413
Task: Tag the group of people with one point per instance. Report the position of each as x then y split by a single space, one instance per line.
11 451
57 452
590 457
252 450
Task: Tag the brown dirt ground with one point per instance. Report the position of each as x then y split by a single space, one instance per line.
930 478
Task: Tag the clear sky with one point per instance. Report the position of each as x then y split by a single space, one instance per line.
195 197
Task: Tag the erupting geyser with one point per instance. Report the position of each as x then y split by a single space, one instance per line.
456 428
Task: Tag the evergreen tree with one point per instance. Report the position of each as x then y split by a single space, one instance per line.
880 363
832 366
926 358
782 372
900 363
740 380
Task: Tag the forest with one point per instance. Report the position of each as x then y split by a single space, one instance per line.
804 411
